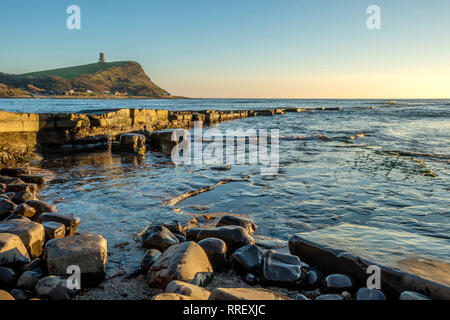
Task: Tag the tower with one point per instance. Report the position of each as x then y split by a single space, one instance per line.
102 58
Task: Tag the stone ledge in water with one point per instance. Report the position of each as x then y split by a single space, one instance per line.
407 261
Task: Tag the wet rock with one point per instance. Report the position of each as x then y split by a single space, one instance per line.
54 288
234 236
192 234
14 172
250 279
12 251
247 259
216 250
179 237
2 187
31 233
330 297
300 297
370 294
8 278
9 180
40 206
245 294
229 220
5 296
32 178
312 294
131 143
149 259
30 187
280 269
171 296
88 252
7 207
312 279
202 279
162 141
70 221
187 289
158 237
347 295
21 294
179 262
411 295
337 283
29 279
17 216
35 264
23 196
54 230
25 210
177 224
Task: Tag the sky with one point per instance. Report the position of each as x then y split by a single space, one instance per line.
243 48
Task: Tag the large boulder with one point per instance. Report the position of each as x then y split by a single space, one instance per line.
158 237
187 289
25 210
29 279
31 233
12 251
41 206
54 288
70 221
234 236
245 294
247 259
280 269
149 259
179 262
88 252
7 207
230 220
216 250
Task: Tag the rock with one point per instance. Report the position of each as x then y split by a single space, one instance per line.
245 294
32 178
162 141
21 294
234 236
31 233
250 279
41 206
54 288
7 207
312 294
158 237
35 264
70 221
411 295
300 297
5 296
280 269
171 296
29 279
187 289
179 262
192 234
337 283
14 172
229 220
132 143
8 278
25 210
30 187
216 250
179 237
149 259
88 252
177 224
312 279
347 295
370 294
54 230
247 259
9 180
12 251
202 279
330 297
23 196
16 216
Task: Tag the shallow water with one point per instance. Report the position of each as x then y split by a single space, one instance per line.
352 176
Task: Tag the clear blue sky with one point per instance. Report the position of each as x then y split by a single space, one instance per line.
245 48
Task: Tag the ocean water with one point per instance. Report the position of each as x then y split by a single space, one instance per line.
365 163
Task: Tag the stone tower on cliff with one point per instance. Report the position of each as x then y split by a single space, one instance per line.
102 58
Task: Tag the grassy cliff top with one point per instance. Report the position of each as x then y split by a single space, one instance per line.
72 72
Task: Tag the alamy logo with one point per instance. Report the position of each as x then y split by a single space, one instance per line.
374 20
74 280
73 22
374 281
226 148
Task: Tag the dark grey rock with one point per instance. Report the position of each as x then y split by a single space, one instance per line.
234 236
335 283
330 297
251 279
300 297
202 279
192 233
29 279
247 259
14 172
35 264
41 206
17 216
411 295
149 259
23 196
158 237
7 208
179 237
31 187
313 279
54 288
32 178
19 294
216 250
7 278
370 294
25 210
280 269
54 230
230 220
70 221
